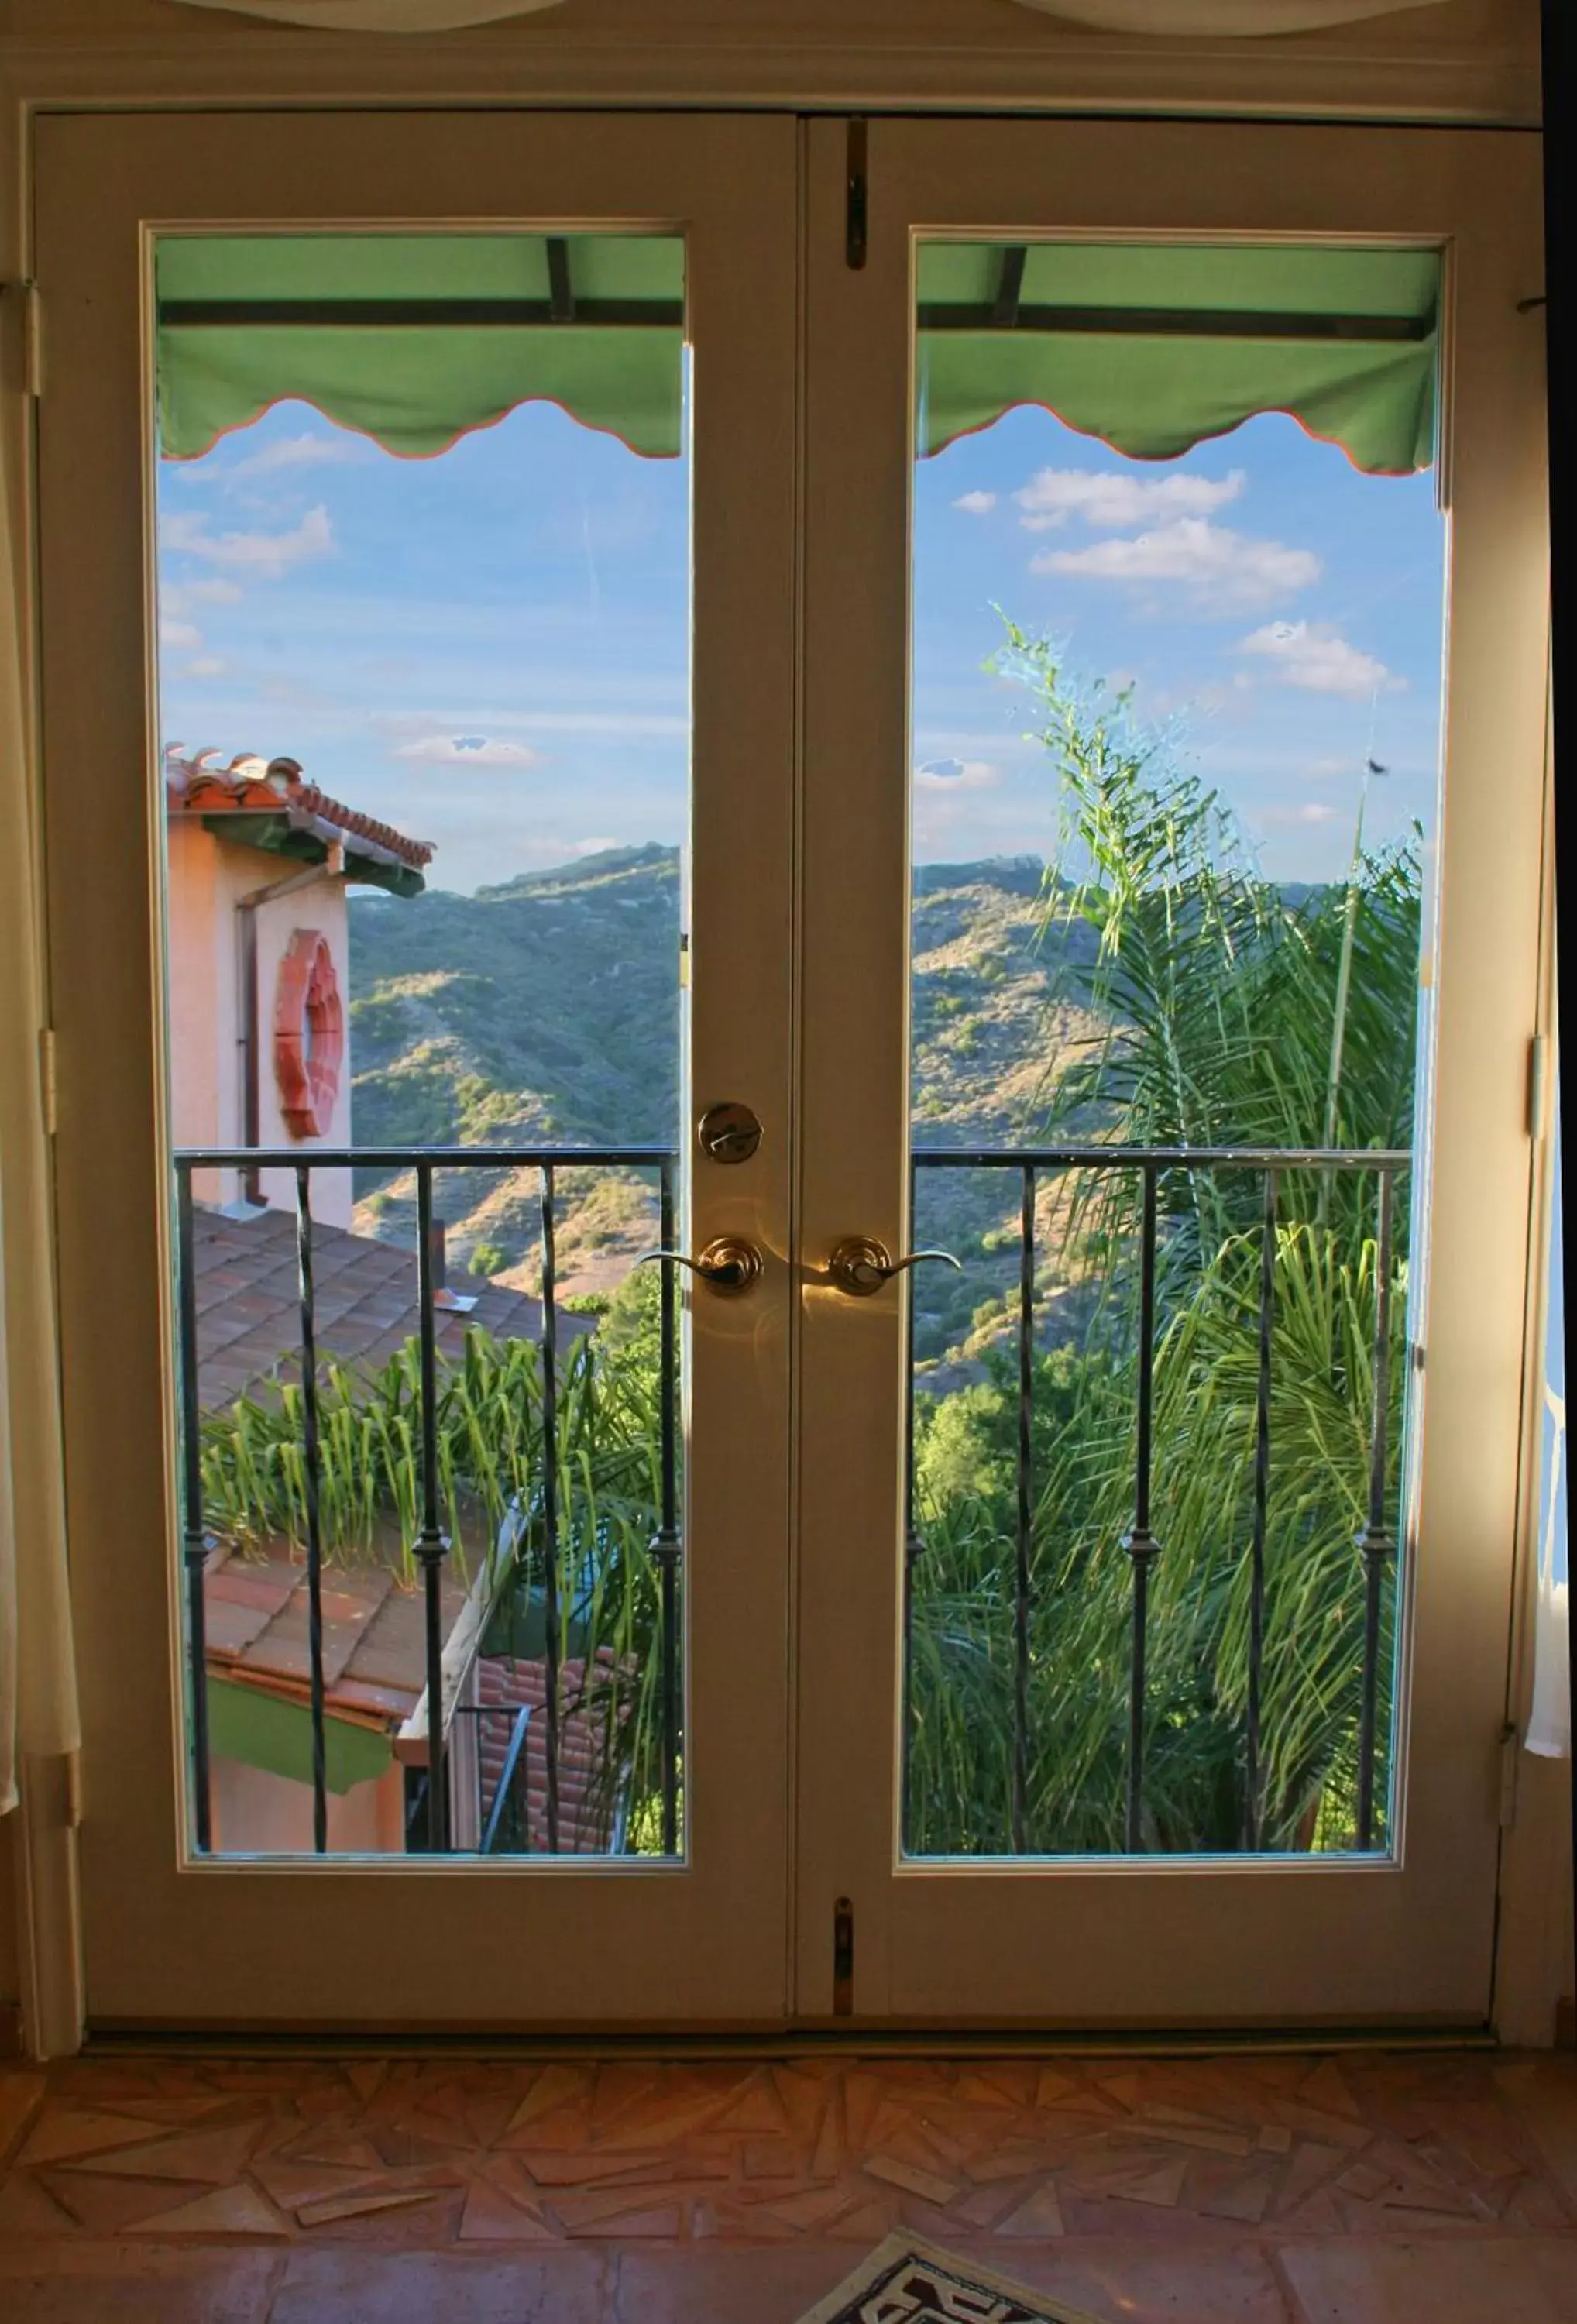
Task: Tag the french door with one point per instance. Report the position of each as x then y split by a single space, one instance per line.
814 1718
1062 1874
208 1893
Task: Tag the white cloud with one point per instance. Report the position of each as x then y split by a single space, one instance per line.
1317 659
590 846
183 636
206 666
262 556
1222 571
1110 498
616 725
975 503
293 452
1314 811
956 775
178 597
469 751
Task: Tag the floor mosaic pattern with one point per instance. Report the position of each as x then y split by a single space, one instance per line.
1247 2189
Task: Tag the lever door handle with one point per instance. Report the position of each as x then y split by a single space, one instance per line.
728 1263
860 1265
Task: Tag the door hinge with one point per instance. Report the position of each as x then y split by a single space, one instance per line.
1537 1055
855 212
46 1077
843 1957
1510 1764
32 338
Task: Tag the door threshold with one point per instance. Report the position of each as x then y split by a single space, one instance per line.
681 2043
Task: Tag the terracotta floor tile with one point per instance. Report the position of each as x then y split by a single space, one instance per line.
212 2156
1038 2215
757 2108
562 2286
573 2167
28 2208
1207 2166
1546 2105
928 2184
491 2216
1526 2280
1169 2281
20 2096
803 2098
109 2207
291 2185
709 2284
63 2134
365 2203
222 2211
111 2284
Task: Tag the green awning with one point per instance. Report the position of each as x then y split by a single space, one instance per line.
1154 347
416 339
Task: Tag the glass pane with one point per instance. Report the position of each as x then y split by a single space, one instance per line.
1175 722
423 554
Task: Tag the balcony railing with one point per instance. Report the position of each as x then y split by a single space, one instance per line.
1376 1541
1030 1166
431 1548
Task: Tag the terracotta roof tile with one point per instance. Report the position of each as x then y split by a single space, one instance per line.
249 786
365 1311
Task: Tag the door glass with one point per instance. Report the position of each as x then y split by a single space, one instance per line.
1177 634
422 528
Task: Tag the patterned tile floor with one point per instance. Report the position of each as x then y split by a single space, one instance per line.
1408 2188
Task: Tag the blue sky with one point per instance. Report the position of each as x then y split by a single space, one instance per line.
489 649
1280 612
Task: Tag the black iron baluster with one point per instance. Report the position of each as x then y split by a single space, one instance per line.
551 1501
310 1464
665 1548
1026 1479
432 1546
1139 1541
1377 1541
1253 1808
195 1540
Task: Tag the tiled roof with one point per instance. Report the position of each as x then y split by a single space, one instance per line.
364 1304
250 785
586 1811
375 1660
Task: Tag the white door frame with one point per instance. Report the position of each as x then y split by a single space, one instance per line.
396 1939
1138 1942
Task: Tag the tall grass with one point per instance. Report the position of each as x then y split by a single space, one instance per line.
491 1465
1219 997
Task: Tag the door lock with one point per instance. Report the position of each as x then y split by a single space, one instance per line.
729 1132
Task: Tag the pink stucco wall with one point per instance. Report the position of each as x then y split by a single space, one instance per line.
206 878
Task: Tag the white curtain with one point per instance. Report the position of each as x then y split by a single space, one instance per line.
1549 1726
38 1692
1240 17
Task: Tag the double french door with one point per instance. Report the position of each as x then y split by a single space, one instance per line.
581 536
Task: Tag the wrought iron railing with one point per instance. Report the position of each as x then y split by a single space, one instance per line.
430 1546
1376 1541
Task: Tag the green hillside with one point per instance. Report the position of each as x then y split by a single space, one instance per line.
546 1010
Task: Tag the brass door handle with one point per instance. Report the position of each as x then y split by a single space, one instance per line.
860 1265
728 1263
